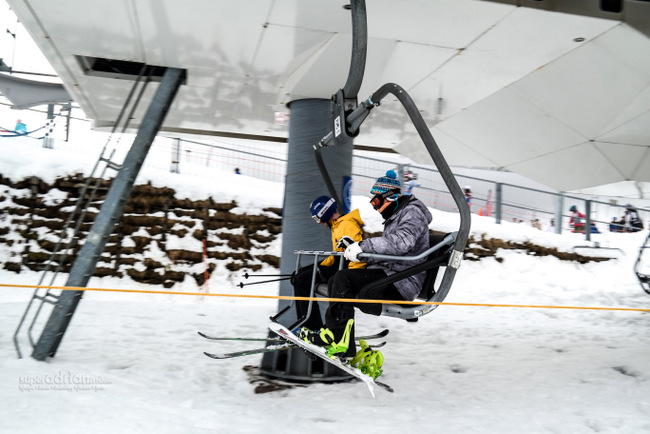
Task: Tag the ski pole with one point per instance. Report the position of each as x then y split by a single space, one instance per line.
246 275
241 285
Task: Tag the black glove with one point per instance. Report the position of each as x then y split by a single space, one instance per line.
344 242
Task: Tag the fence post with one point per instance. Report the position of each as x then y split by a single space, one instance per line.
588 220
558 213
400 173
176 156
48 139
498 199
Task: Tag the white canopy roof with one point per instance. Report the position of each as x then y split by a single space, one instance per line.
560 98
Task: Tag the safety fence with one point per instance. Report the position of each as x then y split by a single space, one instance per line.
326 299
506 201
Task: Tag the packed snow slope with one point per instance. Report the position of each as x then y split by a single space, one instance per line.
133 363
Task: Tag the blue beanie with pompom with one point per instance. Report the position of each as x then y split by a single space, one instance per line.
387 183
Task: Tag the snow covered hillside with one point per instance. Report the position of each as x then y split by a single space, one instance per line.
132 362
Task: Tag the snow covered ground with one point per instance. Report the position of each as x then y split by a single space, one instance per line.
134 363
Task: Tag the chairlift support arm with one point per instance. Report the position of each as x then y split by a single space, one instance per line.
344 101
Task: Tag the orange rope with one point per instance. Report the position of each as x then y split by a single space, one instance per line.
341 300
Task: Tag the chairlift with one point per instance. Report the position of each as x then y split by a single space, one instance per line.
441 254
446 250
644 277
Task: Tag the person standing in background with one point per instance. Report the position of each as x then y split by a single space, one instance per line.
551 226
20 128
410 183
468 195
631 220
576 220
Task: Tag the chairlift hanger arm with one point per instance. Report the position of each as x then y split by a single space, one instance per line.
352 122
345 100
356 118
359 49
435 153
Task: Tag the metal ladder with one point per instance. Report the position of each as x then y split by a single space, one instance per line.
43 296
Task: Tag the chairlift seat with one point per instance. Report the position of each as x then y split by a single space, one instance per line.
440 256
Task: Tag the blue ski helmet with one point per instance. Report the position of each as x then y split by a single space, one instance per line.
322 209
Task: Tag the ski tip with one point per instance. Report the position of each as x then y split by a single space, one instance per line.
212 356
385 386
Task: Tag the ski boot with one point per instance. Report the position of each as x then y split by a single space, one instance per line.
326 338
368 361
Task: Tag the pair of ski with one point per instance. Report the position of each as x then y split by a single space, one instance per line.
289 340
276 344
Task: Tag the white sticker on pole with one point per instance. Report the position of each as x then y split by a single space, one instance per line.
337 126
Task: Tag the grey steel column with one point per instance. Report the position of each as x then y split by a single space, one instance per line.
559 207
310 121
111 210
588 220
498 201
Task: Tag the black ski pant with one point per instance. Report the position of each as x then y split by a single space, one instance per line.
302 288
349 284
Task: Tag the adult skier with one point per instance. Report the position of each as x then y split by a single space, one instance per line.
406 233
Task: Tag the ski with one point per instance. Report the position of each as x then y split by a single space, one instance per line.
281 346
285 333
379 335
276 347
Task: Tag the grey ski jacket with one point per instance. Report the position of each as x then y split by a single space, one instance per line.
406 233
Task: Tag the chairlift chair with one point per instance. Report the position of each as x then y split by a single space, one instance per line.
445 251
439 255
644 278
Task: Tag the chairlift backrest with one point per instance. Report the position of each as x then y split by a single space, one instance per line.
441 254
428 287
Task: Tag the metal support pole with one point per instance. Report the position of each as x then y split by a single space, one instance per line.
588 220
558 213
68 109
111 210
310 120
400 173
176 156
498 200
48 139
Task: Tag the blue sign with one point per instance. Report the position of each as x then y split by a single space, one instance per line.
347 198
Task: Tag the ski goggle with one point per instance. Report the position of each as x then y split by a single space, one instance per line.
379 201
321 212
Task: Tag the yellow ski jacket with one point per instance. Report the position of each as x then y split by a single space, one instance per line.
350 225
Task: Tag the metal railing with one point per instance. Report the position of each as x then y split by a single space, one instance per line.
505 201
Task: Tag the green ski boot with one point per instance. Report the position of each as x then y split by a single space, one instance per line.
368 361
325 338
